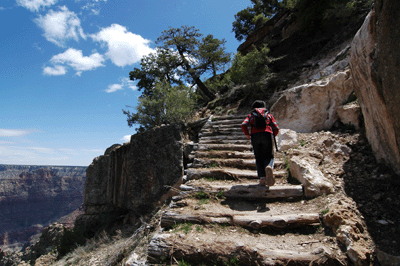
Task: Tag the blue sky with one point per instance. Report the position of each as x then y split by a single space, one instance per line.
64 70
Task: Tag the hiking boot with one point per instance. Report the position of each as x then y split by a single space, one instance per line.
262 182
270 180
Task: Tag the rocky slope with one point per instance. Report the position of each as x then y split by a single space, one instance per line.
32 197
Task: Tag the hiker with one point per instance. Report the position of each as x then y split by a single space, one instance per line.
262 126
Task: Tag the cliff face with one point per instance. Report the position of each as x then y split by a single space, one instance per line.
129 180
34 196
374 65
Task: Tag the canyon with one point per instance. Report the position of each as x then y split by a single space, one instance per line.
32 197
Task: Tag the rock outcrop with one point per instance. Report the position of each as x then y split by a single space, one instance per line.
129 180
375 71
313 107
35 196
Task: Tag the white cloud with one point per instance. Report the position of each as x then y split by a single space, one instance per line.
125 83
75 59
55 71
124 47
126 138
13 132
114 87
41 149
60 26
35 5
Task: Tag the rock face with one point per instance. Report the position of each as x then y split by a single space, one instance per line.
132 178
375 71
34 196
312 107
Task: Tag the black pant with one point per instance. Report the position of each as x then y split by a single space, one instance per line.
263 151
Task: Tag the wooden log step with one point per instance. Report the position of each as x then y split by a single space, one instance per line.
223 154
220 173
227 173
227 137
224 124
212 249
232 162
255 221
257 192
228 147
225 141
225 131
219 133
216 162
227 117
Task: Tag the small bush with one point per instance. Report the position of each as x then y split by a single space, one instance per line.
69 240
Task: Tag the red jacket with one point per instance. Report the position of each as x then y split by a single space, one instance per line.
272 126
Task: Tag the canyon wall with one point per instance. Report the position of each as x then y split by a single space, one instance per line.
376 76
35 196
129 180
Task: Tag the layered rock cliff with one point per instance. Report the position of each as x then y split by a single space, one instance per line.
128 181
32 197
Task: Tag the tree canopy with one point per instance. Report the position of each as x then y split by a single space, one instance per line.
251 18
167 104
168 76
182 56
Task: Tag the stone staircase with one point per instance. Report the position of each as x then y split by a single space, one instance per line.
223 217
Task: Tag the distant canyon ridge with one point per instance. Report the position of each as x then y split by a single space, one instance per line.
32 197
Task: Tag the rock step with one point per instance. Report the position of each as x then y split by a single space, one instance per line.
236 163
254 221
216 249
227 173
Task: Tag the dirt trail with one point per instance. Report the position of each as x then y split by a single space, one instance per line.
222 216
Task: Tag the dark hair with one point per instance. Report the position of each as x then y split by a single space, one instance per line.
258 104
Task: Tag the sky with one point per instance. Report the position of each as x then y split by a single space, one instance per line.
64 70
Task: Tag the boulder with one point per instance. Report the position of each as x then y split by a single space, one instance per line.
350 114
312 107
305 170
287 139
375 75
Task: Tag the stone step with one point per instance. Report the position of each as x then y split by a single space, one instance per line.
230 247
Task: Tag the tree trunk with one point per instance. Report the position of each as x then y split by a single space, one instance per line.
195 78
203 88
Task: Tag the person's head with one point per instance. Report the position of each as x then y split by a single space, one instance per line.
258 104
